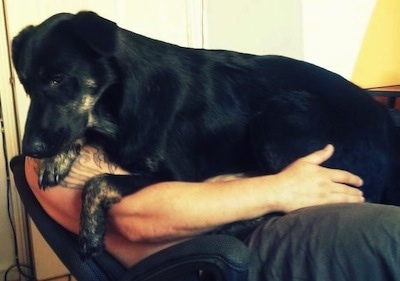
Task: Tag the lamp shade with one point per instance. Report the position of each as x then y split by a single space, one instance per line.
378 61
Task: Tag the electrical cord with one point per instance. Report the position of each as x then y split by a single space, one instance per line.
17 264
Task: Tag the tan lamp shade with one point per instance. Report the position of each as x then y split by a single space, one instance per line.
378 62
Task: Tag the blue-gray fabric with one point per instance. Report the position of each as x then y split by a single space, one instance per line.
344 242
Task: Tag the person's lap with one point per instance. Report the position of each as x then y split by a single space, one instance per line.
331 242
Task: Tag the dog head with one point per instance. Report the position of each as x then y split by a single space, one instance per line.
63 64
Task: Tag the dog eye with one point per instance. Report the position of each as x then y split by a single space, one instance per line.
56 79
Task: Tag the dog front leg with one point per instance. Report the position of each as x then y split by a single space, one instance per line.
55 169
98 196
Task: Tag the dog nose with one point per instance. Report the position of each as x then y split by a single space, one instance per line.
36 149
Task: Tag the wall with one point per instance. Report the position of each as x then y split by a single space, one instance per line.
333 32
6 245
257 26
328 33
10 144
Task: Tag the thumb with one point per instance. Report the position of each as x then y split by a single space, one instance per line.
320 156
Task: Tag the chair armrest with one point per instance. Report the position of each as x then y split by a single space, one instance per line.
222 256
391 97
63 242
395 113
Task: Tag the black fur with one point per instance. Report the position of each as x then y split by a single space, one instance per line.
165 112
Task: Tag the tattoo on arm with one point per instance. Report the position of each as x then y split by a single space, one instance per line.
90 163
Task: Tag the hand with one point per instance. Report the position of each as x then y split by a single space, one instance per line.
305 183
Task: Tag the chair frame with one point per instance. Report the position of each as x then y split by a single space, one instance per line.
221 256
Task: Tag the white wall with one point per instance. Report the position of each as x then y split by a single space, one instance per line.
7 113
328 33
333 31
6 245
257 26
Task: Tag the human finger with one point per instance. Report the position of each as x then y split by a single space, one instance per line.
320 156
343 193
345 189
345 177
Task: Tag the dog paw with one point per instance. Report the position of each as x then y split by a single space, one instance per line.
55 169
89 247
92 230
98 196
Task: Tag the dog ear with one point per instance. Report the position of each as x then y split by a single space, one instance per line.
99 33
18 42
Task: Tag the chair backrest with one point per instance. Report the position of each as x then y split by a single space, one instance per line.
63 242
222 256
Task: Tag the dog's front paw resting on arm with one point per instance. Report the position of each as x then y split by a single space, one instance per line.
98 196
53 170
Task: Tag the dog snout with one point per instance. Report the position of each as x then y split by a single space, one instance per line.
45 143
35 148
42 145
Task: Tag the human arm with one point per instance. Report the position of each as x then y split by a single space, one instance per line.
176 210
166 213
63 204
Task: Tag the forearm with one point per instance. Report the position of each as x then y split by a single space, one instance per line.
175 210
172 211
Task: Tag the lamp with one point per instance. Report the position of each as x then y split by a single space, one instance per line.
377 67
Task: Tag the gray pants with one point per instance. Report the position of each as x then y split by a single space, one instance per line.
354 242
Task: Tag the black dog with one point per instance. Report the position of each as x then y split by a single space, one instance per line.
165 112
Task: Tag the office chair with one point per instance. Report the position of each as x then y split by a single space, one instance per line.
207 257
